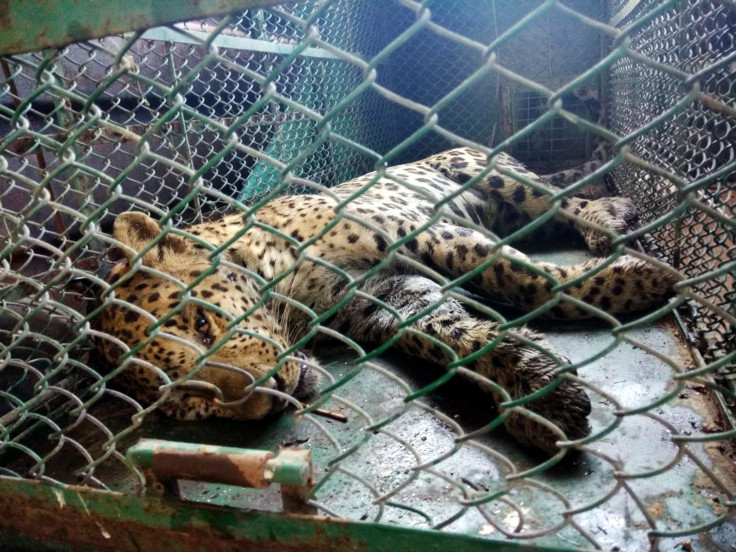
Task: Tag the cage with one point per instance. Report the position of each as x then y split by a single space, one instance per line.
192 112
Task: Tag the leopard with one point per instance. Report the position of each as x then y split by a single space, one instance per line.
220 319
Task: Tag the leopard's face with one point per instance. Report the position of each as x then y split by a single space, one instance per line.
212 343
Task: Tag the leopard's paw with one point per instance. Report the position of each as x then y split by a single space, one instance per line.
613 213
567 408
565 405
632 285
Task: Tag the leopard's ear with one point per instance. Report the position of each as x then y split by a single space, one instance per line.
136 231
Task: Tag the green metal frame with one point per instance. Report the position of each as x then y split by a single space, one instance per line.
53 24
87 518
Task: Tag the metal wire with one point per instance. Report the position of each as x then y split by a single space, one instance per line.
691 143
191 121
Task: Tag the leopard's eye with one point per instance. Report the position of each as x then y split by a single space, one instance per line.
202 325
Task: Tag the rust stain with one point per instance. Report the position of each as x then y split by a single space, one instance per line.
206 464
5 21
33 518
254 473
701 399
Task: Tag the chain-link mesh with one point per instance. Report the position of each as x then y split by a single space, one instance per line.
692 143
199 119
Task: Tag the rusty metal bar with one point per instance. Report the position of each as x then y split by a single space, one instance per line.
171 460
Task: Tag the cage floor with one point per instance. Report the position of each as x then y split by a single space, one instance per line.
678 498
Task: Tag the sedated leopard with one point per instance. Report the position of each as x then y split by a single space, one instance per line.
232 296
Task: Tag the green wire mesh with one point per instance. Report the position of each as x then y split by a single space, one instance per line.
191 121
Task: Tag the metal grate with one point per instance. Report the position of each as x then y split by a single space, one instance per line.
691 142
556 143
193 120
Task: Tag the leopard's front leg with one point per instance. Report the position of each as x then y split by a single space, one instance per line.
515 366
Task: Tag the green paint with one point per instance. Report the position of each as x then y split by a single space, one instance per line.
289 467
98 516
32 26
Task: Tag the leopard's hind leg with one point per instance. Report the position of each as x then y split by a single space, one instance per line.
499 185
626 285
519 368
596 189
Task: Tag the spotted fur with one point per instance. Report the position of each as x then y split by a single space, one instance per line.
233 296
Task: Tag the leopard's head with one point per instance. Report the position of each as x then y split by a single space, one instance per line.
193 335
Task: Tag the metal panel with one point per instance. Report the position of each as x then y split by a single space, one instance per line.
86 518
26 27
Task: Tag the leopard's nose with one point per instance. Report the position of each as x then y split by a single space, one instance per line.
280 383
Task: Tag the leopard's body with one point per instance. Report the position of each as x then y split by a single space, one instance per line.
262 289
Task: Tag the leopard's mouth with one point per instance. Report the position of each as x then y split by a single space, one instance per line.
307 382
